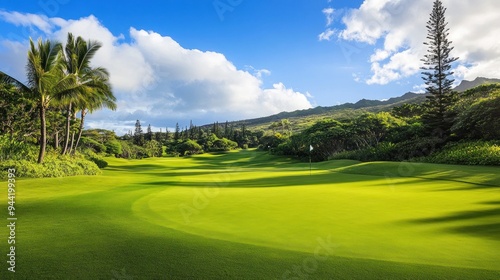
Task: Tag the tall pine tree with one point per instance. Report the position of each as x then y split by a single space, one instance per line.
138 134
149 133
177 133
437 73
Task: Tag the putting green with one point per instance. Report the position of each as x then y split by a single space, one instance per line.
246 214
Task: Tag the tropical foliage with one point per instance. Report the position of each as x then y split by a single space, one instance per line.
59 83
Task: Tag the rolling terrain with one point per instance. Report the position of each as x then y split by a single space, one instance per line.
251 215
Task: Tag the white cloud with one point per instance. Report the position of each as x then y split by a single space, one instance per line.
157 80
400 26
328 12
41 22
326 35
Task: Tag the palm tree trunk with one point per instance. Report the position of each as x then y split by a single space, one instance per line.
72 140
80 130
56 140
68 126
43 135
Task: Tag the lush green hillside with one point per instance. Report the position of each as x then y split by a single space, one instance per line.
302 119
250 215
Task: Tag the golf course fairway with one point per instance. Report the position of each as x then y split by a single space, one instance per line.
250 215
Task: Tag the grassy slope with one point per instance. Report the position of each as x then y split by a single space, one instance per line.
249 215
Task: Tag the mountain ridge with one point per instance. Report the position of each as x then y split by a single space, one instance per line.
363 105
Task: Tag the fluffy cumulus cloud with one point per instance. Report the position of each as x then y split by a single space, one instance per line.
158 81
397 30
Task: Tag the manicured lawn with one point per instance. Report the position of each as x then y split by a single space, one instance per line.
249 215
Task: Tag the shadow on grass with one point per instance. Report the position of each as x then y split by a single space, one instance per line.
246 158
479 176
476 223
302 179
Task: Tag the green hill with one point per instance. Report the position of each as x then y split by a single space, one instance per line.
301 119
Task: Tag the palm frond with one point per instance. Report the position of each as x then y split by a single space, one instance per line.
7 79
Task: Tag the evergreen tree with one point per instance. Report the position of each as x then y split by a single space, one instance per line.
177 133
167 135
215 128
437 67
149 133
138 135
159 136
226 129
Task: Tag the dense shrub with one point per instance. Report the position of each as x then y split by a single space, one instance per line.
130 151
415 148
479 121
387 151
271 141
95 158
188 147
89 143
468 153
54 165
11 149
384 151
153 148
113 147
223 144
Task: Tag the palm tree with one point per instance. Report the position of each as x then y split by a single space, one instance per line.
46 78
78 54
97 94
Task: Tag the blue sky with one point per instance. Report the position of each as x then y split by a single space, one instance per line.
172 61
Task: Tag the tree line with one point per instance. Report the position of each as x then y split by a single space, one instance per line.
187 141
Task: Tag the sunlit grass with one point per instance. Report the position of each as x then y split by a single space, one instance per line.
247 214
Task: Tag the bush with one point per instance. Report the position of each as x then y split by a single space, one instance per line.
223 145
382 152
415 148
153 148
88 142
386 151
95 158
131 151
480 121
10 149
189 147
53 166
468 153
113 147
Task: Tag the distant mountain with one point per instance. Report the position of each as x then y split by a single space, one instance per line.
338 111
301 118
465 85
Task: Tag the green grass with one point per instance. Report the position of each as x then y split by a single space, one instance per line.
249 215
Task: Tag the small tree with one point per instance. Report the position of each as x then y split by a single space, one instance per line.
138 135
177 133
437 67
149 133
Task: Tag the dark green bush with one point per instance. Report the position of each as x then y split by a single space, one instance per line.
415 148
223 144
188 147
384 151
131 151
468 153
88 142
